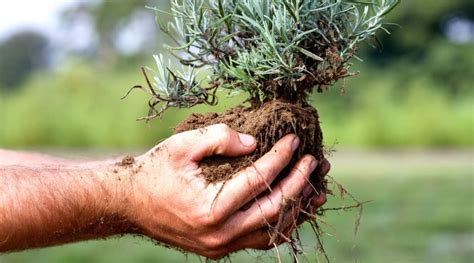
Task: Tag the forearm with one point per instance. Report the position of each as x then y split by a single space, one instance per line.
55 204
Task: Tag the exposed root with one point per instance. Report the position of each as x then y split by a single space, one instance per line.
269 188
287 205
318 233
277 253
215 197
268 122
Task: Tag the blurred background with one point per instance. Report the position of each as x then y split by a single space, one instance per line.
402 130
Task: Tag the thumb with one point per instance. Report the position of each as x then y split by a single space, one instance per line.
220 139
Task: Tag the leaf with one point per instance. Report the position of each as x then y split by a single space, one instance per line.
310 54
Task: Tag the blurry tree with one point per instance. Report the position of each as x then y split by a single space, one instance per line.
419 24
419 44
110 19
20 54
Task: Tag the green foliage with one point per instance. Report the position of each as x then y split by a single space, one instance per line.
426 102
419 28
267 48
21 54
76 107
418 102
180 89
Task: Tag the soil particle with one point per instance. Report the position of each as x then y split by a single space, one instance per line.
126 161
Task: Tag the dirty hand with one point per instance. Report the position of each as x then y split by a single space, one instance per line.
170 201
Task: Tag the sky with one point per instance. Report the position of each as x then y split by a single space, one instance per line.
39 15
44 16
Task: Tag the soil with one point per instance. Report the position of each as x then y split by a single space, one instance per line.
126 161
267 122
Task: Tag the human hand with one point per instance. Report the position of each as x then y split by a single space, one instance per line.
170 202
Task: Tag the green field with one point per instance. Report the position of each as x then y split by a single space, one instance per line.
422 211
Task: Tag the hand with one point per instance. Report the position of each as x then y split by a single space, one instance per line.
169 201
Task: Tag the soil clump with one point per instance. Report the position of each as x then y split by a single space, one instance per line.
267 122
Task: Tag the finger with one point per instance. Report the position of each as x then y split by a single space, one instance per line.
282 231
259 239
262 238
217 139
249 183
255 240
266 209
313 198
310 189
325 166
318 201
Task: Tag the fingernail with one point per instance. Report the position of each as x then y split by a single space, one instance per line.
313 164
295 143
307 191
246 140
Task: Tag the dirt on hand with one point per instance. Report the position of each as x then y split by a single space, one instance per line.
126 161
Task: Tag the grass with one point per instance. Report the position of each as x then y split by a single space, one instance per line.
76 107
422 211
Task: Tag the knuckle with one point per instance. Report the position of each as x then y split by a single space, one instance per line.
174 141
175 147
208 220
224 137
264 244
221 128
276 210
304 166
258 178
204 218
214 242
259 183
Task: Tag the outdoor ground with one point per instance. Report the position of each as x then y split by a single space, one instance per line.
422 211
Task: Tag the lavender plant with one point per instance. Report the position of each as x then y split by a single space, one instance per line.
270 49
276 51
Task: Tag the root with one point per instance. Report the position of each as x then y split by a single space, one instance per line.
315 221
215 197
277 253
287 205
268 122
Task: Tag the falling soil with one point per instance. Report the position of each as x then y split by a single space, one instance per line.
267 122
